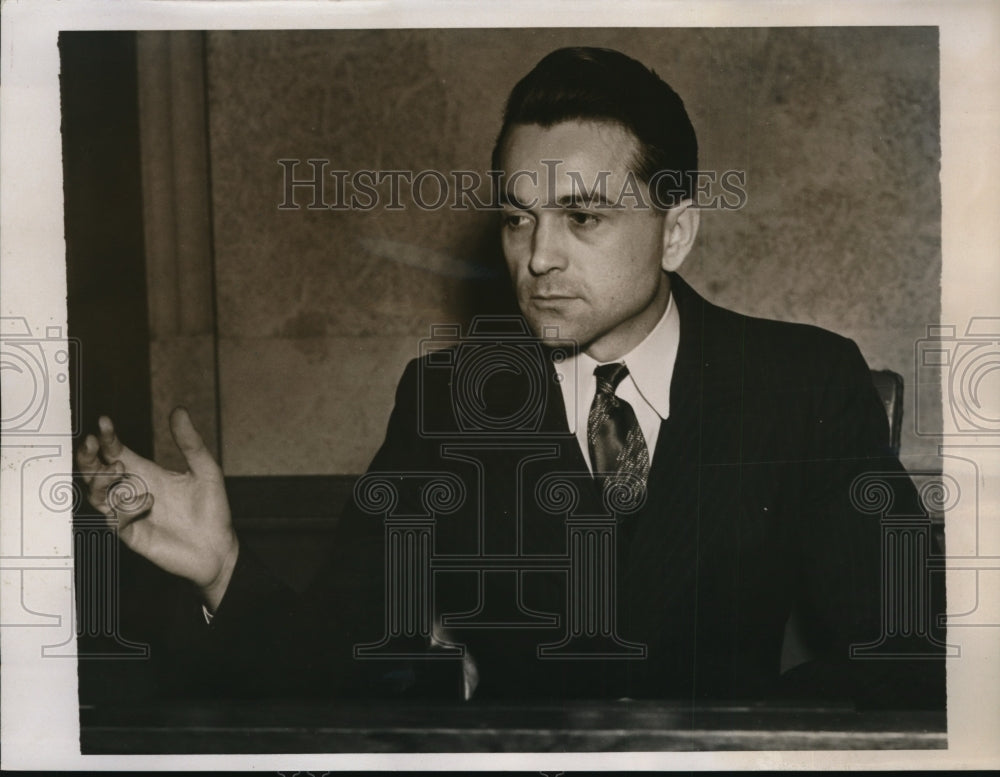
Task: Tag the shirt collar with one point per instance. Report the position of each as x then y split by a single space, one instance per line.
651 362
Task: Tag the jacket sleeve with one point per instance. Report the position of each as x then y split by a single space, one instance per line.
265 640
867 598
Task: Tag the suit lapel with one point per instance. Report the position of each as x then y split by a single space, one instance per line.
664 545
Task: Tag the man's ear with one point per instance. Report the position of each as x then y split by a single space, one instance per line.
680 229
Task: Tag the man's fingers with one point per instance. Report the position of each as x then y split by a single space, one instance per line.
128 498
103 479
198 459
111 447
87 461
97 476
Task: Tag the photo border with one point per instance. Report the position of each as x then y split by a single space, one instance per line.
39 702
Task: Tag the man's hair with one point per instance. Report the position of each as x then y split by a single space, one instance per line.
595 84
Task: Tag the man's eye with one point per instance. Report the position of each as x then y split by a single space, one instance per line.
514 220
582 219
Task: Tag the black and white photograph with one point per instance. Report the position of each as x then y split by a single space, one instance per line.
600 391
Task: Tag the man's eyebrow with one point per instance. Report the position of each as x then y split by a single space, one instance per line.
577 199
571 200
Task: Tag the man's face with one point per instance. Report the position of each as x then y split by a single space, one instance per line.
592 271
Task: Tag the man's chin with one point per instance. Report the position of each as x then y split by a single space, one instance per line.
551 332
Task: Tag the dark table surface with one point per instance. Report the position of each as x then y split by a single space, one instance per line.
372 727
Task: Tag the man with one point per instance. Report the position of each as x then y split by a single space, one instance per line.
638 500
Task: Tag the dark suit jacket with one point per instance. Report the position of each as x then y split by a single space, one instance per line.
749 512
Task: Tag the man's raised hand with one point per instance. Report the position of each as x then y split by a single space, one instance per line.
179 521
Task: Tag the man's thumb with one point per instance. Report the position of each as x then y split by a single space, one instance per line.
198 459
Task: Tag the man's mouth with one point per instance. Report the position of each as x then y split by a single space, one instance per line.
550 297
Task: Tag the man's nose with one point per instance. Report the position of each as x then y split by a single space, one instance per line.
547 248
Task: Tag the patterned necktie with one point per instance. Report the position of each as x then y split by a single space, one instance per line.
617 448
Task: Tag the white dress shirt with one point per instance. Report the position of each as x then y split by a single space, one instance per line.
646 387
